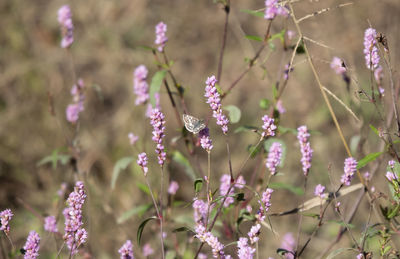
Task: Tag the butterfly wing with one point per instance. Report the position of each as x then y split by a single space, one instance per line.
199 126
193 124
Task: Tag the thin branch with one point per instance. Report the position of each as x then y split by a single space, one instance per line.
321 12
224 37
342 103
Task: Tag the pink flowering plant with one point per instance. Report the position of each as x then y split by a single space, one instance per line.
173 147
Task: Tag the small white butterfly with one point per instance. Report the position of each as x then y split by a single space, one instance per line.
193 124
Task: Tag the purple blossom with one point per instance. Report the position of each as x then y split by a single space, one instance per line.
367 176
288 243
337 66
161 39
268 127
73 110
200 210
244 250
202 256
31 246
265 204
140 86
225 185
173 187
5 217
126 250
319 191
381 91
350 167
205 140
378 74
254 233
274 157
290 34
360 256
63 188
214 100
147 250
279 107
391 176
157 120
50 224
205 236
142 162
305 148
272 9
132 138
150 107
287 71
75 235
391 164
370 49
67 28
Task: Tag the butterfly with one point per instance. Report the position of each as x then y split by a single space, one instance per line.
193 124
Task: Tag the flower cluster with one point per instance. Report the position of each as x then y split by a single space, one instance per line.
205 139
31 247
50 224
226 184
73 110
142 162
75 235
288 243
161 39
265 203
274 157
67 28
268 127
140 86
370 49
126 250
254 233
5 217
132 138
272 9
200 210
205 236
157 120
147 250
244 250
337 66
214 100
391 176
350 167
305 148
279 107
319 191
173 188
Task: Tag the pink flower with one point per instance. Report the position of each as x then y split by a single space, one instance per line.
319 191
161 38
5 217
274 157
31 246
350 167
67 28
132 138
173 187
147 250
126 251
338 66
50 224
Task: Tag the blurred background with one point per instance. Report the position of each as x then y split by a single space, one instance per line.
37 75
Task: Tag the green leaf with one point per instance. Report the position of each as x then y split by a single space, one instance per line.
141 228
393 212
265 104
284 130
183 161
155 85
271 45
291 188
374 129
341 223
54 158
368 158
144 188
140 210
268 143
253 150
245 128
253 37
255 13
339 251
182 229
121 164
198 185
234 113
280 35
